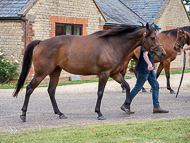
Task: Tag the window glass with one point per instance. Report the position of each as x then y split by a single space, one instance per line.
77 30
59 30
67 30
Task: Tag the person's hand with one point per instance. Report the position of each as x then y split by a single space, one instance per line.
150 67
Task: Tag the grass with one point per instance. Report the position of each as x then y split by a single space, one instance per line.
176 72
154 131
11 85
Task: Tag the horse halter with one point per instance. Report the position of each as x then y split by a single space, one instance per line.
184 41
146 42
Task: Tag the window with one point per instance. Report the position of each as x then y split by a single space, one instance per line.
68 29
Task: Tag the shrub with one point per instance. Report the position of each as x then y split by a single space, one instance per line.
8 68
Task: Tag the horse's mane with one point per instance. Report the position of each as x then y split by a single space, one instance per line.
123 29
173 32
186 28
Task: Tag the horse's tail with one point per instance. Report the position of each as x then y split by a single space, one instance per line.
27 61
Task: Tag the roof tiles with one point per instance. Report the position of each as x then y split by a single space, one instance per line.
146 9
10 8
117 12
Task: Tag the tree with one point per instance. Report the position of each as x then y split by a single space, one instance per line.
186 2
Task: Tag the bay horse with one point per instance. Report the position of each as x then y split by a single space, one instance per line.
101 53
184 38
168 39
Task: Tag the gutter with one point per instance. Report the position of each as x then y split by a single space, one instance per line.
11 18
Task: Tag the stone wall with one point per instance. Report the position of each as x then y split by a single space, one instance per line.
79 9
49 12
11 34
173 16
41 19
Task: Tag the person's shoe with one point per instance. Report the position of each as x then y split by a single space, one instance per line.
159 110
124 108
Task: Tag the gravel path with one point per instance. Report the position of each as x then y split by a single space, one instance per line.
77 102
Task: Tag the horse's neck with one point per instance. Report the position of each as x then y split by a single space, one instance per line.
131 42
188 38
169 38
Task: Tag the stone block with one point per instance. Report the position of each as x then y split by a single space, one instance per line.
74 78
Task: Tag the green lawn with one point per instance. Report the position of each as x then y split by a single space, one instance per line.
146 131
11 85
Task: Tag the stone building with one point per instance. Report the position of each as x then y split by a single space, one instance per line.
27 20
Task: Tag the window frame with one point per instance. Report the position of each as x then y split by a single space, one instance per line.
72 27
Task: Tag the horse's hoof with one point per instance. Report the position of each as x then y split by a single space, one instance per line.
101 118
144 90
62 117
123 90
23 118
127 111
172 92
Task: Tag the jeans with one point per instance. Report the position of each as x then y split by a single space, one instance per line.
141 79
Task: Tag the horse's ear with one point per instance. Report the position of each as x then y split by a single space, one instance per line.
147 26
182 29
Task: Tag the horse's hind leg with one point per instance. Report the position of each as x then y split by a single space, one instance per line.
54 78
103 78
30 88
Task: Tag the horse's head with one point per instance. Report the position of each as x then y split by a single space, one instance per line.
151 42
181 39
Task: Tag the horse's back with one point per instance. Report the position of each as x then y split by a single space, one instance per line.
75 54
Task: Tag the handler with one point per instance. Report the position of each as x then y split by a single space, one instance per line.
146 72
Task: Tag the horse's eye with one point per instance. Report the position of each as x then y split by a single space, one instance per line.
152 38
180 38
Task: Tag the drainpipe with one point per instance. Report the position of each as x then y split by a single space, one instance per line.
25 33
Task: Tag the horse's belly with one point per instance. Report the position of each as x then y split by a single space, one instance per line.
79 68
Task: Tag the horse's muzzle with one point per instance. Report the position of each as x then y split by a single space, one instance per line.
161 56
176 49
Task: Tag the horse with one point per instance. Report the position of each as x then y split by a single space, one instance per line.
184 38
167 39
101 53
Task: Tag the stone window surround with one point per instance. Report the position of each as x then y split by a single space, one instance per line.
53 20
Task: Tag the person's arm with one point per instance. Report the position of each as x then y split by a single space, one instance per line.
186 48
145 56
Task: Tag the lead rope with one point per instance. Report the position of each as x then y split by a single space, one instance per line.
184 61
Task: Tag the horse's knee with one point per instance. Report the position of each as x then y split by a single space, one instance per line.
29 90
51 92
167 75
100 94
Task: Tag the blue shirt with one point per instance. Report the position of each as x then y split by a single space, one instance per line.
142 65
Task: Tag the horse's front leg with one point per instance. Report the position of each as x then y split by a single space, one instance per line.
103 78
168 84
167 72
54 79
119 78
